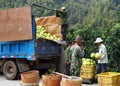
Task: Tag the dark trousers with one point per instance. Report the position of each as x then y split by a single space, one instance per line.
64 28
101 68
68 69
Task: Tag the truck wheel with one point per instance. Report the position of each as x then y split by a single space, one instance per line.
10 70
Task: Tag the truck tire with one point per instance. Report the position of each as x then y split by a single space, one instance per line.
10 70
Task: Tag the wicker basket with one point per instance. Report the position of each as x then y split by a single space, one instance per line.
76 81
30 76
109 79
87 71
51 80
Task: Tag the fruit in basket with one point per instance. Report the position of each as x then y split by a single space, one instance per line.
83 59
84 63
92 55
98 55
88 61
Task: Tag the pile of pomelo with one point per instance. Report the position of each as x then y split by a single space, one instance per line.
42 33
87 61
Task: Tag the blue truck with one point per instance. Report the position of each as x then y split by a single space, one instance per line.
19 49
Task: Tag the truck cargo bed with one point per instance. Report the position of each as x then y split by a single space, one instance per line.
47 48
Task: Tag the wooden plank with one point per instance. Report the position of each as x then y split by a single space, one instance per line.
15 24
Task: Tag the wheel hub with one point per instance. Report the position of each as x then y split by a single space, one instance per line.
10 69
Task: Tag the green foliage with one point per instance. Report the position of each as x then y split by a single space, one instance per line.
113 46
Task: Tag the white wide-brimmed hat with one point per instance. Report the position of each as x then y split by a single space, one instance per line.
63 8
98 40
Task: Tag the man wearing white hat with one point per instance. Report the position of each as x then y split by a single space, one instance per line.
64 21
104 56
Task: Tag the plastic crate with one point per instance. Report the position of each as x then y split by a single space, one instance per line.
109 79
108 84
87 71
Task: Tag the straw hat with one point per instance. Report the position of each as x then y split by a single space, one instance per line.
79 38
98 40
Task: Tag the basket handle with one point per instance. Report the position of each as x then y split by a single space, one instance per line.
63 75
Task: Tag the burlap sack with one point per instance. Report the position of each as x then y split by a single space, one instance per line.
51 24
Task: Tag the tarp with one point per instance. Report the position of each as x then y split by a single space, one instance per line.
51 24
15 24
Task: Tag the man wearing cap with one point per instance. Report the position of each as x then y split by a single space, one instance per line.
104 56
77 52
64 21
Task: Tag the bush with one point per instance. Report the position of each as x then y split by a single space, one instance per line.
113 46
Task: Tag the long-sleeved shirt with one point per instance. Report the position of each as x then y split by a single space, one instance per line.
63 15
104 55
76 52
68 54
76 59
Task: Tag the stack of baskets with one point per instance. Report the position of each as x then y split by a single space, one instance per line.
87 71
30 78
109 79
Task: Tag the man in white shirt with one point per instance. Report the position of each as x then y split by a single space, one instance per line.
104 56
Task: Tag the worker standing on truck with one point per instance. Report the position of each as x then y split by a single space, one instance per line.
77 53
64 21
